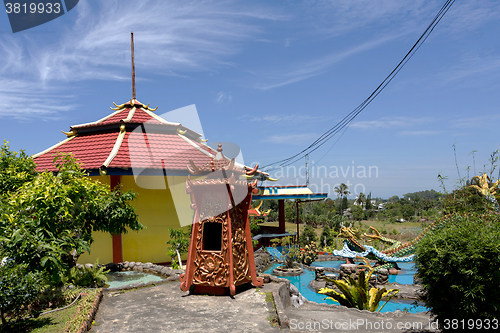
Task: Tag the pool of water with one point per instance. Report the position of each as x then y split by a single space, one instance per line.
302 283
122 279
405 275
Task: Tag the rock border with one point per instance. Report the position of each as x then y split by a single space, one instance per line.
163 271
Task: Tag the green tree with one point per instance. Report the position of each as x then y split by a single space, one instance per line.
360 199
326 234
342 191
15 169
368 204
48 221
357 213
307 236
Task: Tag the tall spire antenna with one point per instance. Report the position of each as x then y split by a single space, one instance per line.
133 65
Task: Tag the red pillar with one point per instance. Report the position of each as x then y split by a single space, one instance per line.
117 239
281 211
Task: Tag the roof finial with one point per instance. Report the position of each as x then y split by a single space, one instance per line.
133 65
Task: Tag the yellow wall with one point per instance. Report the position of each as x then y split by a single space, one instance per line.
156 211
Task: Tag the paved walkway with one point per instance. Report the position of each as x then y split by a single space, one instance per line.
165 308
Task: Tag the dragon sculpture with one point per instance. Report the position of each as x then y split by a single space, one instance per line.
397 251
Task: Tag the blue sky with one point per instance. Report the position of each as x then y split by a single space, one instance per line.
272 77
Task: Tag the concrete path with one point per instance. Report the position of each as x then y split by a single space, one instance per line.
165 308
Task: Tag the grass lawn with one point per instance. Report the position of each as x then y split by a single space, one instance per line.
58 321
406 231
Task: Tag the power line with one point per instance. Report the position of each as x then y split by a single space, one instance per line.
354 113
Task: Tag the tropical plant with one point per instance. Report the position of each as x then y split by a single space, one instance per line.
19 288
342 191
178 245
289 250
358 294
88 275
360 199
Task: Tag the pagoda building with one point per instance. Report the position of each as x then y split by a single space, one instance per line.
137 149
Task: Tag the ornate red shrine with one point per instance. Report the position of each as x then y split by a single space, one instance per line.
221 251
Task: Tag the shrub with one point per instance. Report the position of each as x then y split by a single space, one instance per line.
178 245
19 288
291 252
459 264
307 236
326 234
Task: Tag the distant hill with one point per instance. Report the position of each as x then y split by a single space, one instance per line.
431 195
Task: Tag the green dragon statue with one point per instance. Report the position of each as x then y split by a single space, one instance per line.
397 251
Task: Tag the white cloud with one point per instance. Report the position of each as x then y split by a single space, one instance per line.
391 122
293 139
284 118
223 97
420 133
315 67
171 37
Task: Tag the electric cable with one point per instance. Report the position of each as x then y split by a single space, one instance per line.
354 113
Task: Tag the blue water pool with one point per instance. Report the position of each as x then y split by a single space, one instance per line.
302 283
330 264
405 275
122 279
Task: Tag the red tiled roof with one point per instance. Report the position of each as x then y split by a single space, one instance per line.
155 150
91 150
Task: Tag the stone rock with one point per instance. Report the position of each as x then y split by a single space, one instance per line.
319 273
393 271
173 278
267 278
294 290
131 264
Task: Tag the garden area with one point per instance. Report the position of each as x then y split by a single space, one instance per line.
46 223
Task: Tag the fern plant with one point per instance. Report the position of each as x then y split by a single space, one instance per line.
358 294
94 276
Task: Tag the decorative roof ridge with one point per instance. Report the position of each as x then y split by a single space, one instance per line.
130 115
54 146
115 149
196 146
97 121
160 119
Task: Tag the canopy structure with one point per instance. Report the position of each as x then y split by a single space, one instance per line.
299 193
